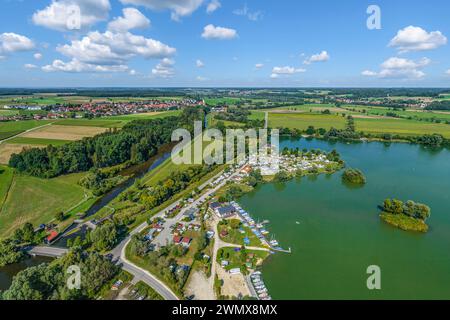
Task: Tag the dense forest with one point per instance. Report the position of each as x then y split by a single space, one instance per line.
136 142
439 105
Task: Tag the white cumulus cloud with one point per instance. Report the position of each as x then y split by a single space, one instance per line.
220 33
213 6
178 8
417 39
132 19
68 15
259 66
108 51
37 56
319 57
400 68
12 42
30 66
251 15
164 69
199 63
285 71
77 66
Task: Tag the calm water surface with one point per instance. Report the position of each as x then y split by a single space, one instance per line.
335 232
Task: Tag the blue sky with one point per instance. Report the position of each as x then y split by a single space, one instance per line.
266 43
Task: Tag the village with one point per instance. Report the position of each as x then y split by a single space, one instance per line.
94 109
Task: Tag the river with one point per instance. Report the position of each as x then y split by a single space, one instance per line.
335 232
8 272
135 172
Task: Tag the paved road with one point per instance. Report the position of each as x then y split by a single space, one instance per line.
266 119
47 251
141 274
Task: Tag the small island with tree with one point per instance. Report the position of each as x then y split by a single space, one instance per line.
354 176
409 216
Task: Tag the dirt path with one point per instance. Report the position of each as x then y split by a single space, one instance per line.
199 286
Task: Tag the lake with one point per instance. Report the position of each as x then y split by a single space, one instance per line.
335 232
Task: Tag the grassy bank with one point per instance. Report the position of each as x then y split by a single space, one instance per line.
404 222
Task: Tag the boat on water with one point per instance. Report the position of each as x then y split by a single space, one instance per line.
274 243
263 291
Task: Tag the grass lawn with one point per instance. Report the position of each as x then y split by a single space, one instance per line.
12 128
35 141
238 258
37 200
236 236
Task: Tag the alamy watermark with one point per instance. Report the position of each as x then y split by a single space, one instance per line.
374 20
374 280
74 280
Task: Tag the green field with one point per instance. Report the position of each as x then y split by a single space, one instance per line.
407 114
369 125
141 116
6 176
257 115
91 123
37 200
302 121
9 129
37 141
5 112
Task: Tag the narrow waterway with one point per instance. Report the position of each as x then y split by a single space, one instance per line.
135 172
335 232
8 272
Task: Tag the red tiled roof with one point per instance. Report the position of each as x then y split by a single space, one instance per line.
177 239
53 234
187 240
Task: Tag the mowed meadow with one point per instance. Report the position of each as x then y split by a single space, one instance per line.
367 124
29 199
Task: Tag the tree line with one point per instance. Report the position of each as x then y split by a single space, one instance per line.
136 142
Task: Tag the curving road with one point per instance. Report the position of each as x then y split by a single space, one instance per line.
141 274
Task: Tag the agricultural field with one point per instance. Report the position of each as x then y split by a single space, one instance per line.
12 128
411 114
309 107
370 125
8 149
36 141
37 200
103 123
257 115
141 116
302 121
67 133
